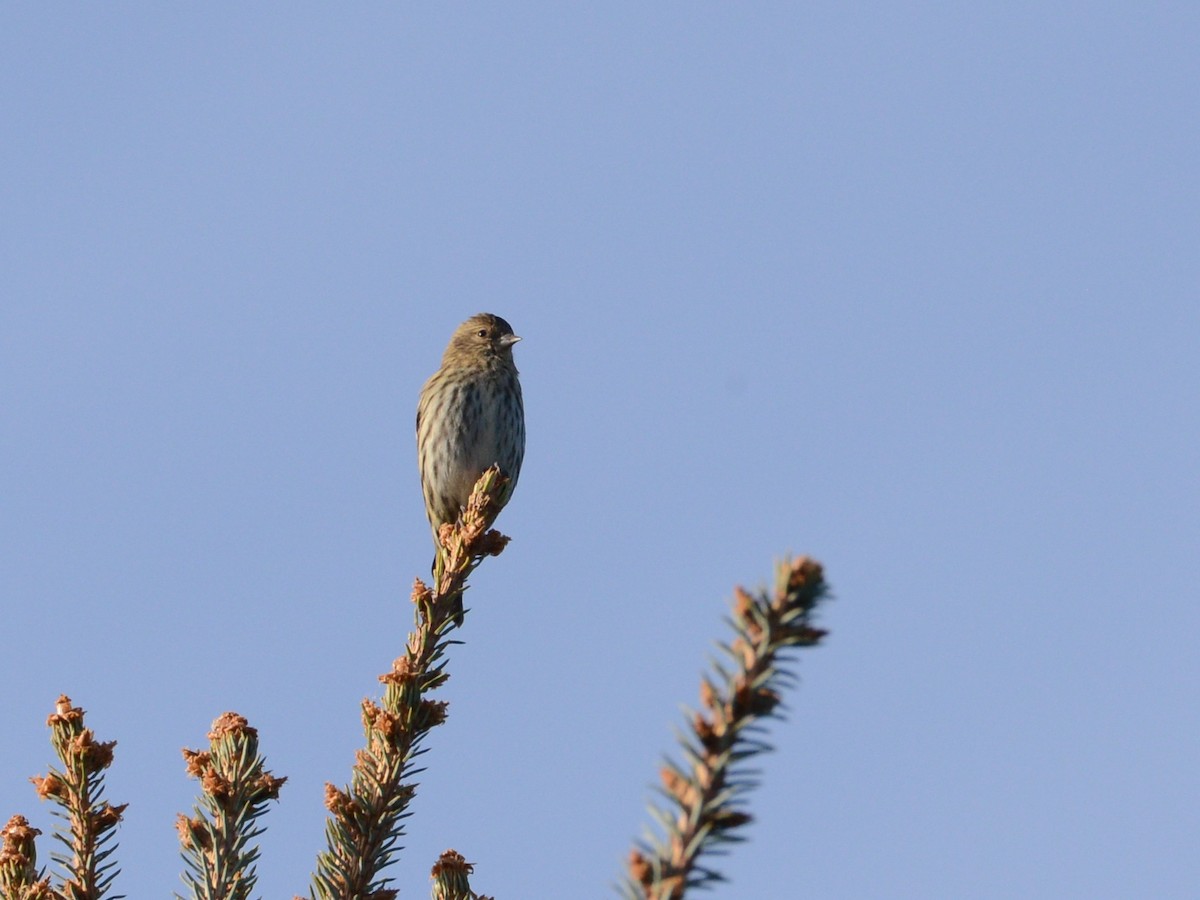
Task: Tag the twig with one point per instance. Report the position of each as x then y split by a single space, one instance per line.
366 818
77 789
19 875
217 840
704 798
451 879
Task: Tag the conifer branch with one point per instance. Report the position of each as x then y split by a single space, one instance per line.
19 875
451 878
366 817
78 789
704 797
235 787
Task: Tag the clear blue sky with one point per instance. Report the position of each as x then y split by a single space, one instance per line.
911 288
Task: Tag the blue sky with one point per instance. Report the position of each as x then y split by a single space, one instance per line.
911 288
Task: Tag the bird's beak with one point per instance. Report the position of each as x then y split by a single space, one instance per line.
508 340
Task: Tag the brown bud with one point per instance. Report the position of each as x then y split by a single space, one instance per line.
107 817
48 786
197 762
640 869
433 712
231 724
452 863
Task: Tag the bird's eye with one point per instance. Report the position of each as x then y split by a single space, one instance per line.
482 332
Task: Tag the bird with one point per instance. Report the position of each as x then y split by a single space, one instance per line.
470 416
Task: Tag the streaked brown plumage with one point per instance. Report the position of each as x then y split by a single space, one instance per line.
470 416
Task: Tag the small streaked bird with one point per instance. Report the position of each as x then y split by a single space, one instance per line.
470 416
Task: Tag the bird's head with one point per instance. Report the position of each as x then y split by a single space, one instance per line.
482 337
